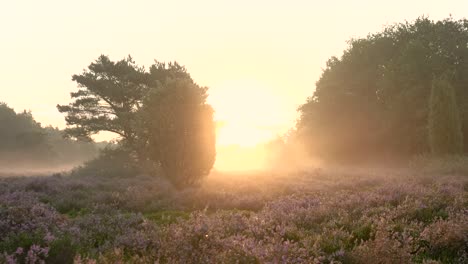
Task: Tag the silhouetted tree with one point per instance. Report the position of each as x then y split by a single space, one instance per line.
445 134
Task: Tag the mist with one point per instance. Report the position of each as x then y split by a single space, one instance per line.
371 168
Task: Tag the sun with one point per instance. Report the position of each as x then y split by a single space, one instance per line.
240 147
247 117
242 135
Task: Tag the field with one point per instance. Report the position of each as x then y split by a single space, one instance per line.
417 213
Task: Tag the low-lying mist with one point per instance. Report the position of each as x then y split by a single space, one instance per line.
19 164
25 169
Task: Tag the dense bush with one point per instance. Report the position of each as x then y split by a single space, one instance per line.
111 162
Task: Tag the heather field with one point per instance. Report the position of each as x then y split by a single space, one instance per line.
234 132
410 214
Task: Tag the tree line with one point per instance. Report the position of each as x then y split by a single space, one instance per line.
23 141
395 93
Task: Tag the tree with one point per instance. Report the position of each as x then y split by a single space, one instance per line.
161 115
445 133
109 95
181 131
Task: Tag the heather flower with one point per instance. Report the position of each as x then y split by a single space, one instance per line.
37 254
19 251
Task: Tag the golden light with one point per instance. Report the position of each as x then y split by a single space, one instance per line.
240 158
247 116
243 135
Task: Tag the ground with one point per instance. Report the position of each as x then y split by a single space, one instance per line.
416 213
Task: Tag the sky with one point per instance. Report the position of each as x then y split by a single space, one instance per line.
260 59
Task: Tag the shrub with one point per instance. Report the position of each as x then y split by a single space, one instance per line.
111 162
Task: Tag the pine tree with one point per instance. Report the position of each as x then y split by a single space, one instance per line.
445 132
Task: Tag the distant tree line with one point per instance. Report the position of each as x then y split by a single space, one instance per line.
160 116
396 93
23 141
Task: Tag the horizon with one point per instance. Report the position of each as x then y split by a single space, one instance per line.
223 46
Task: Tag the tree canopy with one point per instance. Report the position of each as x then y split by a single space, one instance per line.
109 95
374 100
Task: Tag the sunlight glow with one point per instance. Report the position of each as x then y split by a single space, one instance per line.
244 110
242 135
240 158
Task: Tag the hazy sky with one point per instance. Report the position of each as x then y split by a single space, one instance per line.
260 59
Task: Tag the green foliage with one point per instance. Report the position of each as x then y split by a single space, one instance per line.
373 100
362 233
62 250
23 240
427 215
166 217
445 133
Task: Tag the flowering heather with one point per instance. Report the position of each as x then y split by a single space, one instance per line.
27 227
330 216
